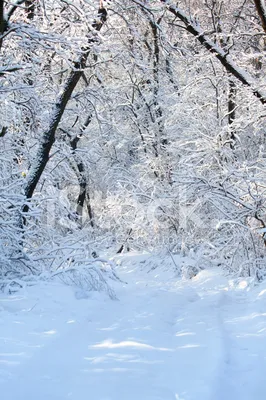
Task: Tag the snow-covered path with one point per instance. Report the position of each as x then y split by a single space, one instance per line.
203 339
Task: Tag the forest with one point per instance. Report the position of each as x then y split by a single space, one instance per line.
132 199
132 125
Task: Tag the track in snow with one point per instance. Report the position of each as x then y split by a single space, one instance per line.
185 340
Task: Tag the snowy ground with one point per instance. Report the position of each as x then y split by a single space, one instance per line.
164 339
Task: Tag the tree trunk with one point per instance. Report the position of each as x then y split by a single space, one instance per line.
2 21
48 137
84 195
260 6
30 8
232 111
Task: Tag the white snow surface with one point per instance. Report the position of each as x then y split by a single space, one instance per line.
165 338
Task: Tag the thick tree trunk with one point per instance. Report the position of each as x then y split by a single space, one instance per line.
260 6
48 137
2 16
2 21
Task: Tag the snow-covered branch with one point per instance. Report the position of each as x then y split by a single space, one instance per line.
193 27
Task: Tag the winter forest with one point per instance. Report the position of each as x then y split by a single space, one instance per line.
132 138
132 125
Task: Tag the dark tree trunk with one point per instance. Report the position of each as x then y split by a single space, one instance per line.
48 137
260 6
30 8
232 111
125 244
2 21
84 195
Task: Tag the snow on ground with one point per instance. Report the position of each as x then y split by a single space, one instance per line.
164 339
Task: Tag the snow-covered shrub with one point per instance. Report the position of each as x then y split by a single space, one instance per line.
85 278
